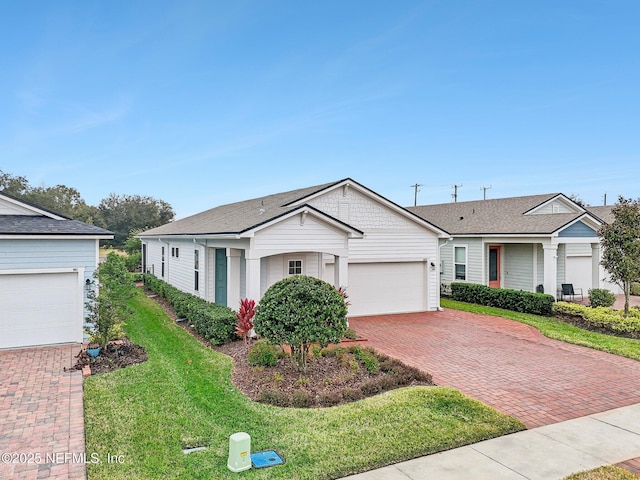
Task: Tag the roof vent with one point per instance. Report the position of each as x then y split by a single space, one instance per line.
262 210
461 218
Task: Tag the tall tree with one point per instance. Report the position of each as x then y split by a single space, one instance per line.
620 240
13 185
124 213
65 201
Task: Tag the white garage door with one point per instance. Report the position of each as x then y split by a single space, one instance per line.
377 288
40 309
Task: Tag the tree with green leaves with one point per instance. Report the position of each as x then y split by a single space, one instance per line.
124 213
299 311
107 305
620 242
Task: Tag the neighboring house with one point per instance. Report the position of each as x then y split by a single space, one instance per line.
341 232
45 262
531 243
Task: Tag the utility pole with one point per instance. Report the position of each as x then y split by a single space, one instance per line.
416 188
455 192
484 190
605 199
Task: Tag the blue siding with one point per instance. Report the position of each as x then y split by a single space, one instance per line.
578 229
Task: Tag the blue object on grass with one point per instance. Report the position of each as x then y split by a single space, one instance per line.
266 458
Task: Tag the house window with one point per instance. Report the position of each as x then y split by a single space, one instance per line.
175 252
460 263
162 273
196 266
295 267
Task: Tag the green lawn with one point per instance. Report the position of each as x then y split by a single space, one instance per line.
553 328
183 396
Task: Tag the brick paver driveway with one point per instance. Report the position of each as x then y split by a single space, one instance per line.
41 414
506 364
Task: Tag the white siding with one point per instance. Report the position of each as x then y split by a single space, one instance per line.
555 207
363 212
8 208
290 235
406 244
517 269
276 267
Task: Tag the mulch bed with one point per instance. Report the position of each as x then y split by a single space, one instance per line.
115 356
328 381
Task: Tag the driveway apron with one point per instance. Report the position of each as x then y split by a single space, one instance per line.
505 364
41 414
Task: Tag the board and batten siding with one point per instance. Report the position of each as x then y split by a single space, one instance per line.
517 268
49 253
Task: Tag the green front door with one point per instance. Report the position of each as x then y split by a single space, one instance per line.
221 276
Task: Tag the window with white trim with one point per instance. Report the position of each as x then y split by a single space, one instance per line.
196 268
295 267
162 273
460 262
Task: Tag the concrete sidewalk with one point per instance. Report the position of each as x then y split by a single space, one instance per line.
545 453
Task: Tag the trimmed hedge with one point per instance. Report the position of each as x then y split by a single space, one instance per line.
516 300
214 322
604 318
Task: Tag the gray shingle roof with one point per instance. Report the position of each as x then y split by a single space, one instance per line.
237 217
501 216
603 213
40 225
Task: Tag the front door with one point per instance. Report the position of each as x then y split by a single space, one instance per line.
494 266
221 277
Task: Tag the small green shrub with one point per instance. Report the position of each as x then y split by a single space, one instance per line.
635 288
264 354
330 399
272 397
599 297
516 300
350 334
301 399
368 358
351 394
603 317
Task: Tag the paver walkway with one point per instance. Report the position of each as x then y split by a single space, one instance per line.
41 414
505 364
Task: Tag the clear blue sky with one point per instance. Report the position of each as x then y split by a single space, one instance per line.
201 103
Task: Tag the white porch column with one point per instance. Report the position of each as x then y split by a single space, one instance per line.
341 271
233 277
253 278
595 265
550 268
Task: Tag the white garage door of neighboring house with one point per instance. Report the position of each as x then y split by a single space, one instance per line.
378 288
40 309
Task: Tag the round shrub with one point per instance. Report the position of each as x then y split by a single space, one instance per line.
299 311
263 354
600 297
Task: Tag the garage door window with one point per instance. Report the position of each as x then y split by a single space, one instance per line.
460 263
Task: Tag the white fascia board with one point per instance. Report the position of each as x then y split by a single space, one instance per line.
32 271
306 210
586 218
348 183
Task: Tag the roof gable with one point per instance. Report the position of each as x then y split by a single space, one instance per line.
578 229
12 206
557 204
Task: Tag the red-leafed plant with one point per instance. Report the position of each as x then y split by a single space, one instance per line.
343 291
245 314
